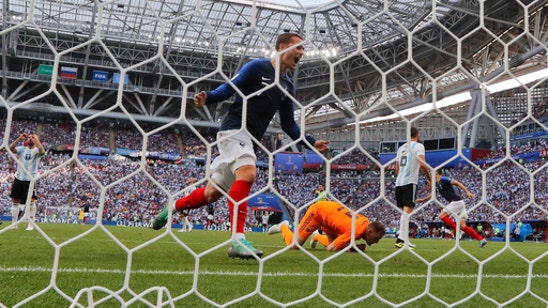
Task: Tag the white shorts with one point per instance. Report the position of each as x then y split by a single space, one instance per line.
235 150
457 209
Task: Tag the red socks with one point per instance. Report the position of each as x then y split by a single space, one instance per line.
469 231
194 200
238 191
448 221
472 233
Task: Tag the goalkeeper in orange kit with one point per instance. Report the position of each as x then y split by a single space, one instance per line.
336 223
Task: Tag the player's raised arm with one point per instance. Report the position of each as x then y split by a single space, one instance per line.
321 145
425 170
13 145
200 99
468 193
423 199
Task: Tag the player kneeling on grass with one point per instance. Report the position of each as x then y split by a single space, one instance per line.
336 223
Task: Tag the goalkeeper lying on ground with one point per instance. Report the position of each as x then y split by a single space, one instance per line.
335 220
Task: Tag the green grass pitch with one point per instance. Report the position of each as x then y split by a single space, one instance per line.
138 267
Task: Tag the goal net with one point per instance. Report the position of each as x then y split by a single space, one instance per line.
108 87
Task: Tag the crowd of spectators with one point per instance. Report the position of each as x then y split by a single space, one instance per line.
519 148
135 190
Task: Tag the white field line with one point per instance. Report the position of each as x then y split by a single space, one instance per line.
269 274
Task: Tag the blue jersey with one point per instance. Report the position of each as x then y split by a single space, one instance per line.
253 77
446 190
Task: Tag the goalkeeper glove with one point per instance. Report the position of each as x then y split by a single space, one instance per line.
360 247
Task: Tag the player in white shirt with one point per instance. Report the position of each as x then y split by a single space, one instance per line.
264 221
186 225
409 160
28 157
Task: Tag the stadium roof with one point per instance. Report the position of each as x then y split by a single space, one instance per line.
327 25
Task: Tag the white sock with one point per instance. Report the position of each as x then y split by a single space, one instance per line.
27 212
14 212
22 208
404 227
32 212
239 236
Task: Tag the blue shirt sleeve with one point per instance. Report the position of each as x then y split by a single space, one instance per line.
225 91
289 126
446 179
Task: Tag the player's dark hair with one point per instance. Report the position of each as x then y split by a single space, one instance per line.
378 227
286 38
414 132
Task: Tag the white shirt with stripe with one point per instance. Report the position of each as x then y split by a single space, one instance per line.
27 164
408 160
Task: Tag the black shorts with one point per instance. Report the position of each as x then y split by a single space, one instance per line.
406 195
20 191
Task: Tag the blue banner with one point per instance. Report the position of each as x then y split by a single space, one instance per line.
95 150
450 158
289 162
100 75
93 157
262 164
528 136
165 156
531 156
116 78
123 151
265 202
153 155
313 158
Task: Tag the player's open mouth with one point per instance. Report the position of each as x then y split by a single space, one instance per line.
296 59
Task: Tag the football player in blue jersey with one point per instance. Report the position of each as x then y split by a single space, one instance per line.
456 207
262 87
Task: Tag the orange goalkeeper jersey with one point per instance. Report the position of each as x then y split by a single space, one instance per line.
336 221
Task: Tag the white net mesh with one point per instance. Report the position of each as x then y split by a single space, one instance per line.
81 117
